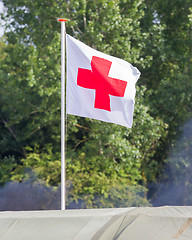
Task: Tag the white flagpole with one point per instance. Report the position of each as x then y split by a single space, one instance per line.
62 112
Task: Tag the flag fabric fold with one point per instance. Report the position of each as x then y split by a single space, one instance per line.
99 86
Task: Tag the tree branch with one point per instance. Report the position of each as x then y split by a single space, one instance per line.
13 135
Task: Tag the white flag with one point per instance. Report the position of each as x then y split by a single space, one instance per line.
99 86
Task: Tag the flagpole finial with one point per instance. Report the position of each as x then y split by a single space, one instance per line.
62 19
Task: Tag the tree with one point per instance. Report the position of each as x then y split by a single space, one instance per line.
98 154
169 75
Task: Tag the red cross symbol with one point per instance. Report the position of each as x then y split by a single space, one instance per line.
98 79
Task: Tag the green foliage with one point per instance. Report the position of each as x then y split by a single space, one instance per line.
171 96
105 162
120 194
113 157
45 164
7 166
123 195
29 85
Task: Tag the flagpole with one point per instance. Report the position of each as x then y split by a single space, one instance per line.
62 112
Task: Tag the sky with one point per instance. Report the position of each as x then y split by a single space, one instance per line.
1 28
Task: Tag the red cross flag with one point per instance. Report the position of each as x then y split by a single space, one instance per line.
99 86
